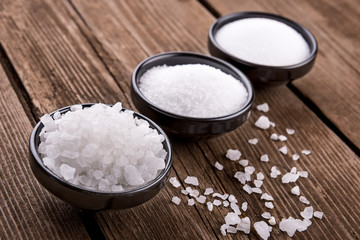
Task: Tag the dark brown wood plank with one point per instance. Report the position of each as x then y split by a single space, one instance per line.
333 84
27 211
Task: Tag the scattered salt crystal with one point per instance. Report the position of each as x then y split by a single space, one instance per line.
191 202
183 191
210 206
307 213
258 183
226 203
235 208
293 170
208 191
232 198
201 199
243 177
291 224
282 138
274 137
222 196
233 155
231 229
192 180
244 206
274 172
256 190
290 131
295 190
290 177
266 215
295 157
306 152
217 202
244 225
192 192
318 214
263 122
304 200
263 107
232 218
272 221
174 182
263 229
303 174
67 172
269 205
219 166
75 108
176 89
247 189
283 150
267 197
272 124
260 176
264 158
244 162
249 169
176 200
253 141
223 228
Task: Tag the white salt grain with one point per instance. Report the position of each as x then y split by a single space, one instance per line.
295 190
264 158
247 189
306 152
174 182
303 174
223 228
272 221
201 199
290 177
249 169
244 225
217 202
295 157
290 131
243 177
208 191
283 150
293 170
192 180
258 183
266 215
307 213
231 229
267 197
191 202
263 229
256 190
274 137
260 176
263 41
192 192
235 208
232 198
253 141
282 138
244 206
233 154
263 107
219 166
274 172
183 191
176 200
304 200
222 196
226 203
269 205
232 218
210 206
193 90
318 214
291 225
67 172
263 122
244 162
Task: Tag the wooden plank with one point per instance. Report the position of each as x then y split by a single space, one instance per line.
26 209
333 84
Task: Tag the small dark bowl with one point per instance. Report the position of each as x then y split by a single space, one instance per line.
87 199
190 128
262 75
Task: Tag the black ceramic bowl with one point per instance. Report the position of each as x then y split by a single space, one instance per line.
83 198
262 75
190 128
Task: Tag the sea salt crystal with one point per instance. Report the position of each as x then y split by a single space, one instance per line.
263 229
231 229
269 205
263 41
318 214
176 200
266 215
219 166
282 138
307 213
263 107
295 190
293 170
210 206
192 192
183 191
208 191
258 183
222 196
260 176
274 137
244 206
290 131
267 197
201 199
256 190
244 162
272 221
235 208
272 124
244 225
226 203
223 228
176 89
283 150
243 177
303 174
249 169
191 202
192 180
291 225
232 198
295 157
304 200
253 141
306 152
232 218
290 177
264 158
263 122
233 155
274 172
67 172
217 202
174 182
247 189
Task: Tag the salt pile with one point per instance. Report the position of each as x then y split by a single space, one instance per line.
263 41
193 90
101 148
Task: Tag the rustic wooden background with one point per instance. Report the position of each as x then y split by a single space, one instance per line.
59 53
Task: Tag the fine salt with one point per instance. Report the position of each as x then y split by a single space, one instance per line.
263 41
193 90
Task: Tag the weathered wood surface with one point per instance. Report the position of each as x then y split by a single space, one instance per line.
85 51
333 84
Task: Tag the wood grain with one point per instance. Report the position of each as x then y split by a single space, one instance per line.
333 84
27 211
106 40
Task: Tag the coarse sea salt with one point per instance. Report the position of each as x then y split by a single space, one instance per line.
191 202
208 191
290 131
244 162
219 166
176 200
174 182
192 180
318 214
263 229
102 147
264 158
262 122
233 154
253 141
193 90
263 41
264 107
244 206
295 190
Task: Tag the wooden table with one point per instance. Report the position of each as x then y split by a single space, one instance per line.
58 53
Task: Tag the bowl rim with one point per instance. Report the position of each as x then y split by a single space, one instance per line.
221 21
148 185
240 76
